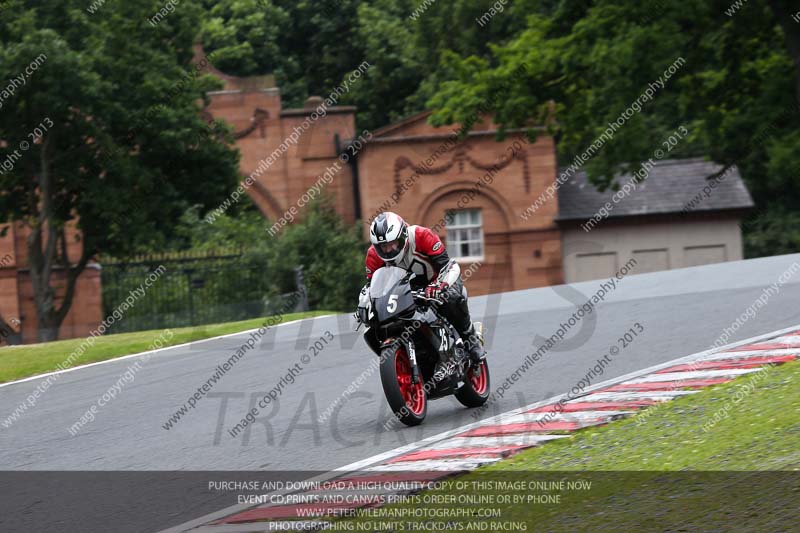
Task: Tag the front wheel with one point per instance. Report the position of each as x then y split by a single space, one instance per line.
475 390
407 400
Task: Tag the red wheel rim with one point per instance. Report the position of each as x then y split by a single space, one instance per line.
478 382
413 393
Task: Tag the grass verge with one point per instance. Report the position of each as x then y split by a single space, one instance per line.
724 459
17 362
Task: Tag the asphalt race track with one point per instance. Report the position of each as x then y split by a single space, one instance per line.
681 311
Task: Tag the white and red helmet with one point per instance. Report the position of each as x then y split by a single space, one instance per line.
388 234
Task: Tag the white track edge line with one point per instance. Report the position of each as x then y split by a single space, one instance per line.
139 354
613 381
358 465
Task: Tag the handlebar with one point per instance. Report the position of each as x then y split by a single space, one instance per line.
420 295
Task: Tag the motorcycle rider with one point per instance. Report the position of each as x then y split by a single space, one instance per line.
418 249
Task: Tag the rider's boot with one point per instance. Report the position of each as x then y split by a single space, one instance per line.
456 310
473 345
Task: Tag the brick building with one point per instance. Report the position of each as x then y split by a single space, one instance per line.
470 192
264 131
477 193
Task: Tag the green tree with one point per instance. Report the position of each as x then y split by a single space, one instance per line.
328 250
736 90
311 46
307 45
777 228
245 35
320 40
385 38
241 229
404 43
116 145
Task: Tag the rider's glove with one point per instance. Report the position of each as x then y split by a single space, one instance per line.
436 289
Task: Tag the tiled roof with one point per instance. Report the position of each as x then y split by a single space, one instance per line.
672 186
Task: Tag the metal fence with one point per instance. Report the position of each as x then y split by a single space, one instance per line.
191 289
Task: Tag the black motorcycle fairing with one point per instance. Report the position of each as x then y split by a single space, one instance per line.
371 338
393 304
396 317
390 293
425 315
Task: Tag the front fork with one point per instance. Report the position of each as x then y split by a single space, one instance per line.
412 355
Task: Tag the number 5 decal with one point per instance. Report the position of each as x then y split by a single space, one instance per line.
392 305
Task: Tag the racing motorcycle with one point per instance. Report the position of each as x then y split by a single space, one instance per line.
406 331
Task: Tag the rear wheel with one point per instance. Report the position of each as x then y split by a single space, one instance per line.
407 400
475 390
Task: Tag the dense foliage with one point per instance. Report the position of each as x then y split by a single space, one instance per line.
311 45
737 92
104 134
328 250
735 88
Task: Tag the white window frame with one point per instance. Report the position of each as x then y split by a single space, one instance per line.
456 243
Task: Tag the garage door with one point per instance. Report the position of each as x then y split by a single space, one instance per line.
651 260
704 255
595 266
